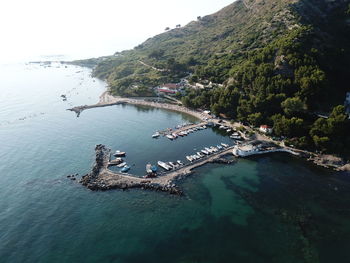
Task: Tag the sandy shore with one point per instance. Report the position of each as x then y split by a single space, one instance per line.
106 99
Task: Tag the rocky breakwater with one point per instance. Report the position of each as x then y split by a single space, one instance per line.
101 178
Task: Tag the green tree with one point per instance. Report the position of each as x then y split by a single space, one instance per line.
293 105
255 118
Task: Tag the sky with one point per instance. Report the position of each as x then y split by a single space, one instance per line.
33 29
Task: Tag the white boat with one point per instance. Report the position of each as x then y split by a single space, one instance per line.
156 135
174 135
205 152
170 137
179 162
119 154
219 147
115 162
173 165
208 150
164 165
228 130
222 127
121 165
224 145
149 168
199 154
189 158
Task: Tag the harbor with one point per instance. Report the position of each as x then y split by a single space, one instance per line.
181 130
101 178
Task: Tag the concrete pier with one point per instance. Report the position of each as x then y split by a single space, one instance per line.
101 178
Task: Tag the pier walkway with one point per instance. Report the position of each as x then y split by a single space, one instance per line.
101 178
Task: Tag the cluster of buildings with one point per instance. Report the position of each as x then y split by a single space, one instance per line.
173 88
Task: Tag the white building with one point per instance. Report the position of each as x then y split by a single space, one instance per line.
265 129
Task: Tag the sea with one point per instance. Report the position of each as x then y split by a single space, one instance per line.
270 208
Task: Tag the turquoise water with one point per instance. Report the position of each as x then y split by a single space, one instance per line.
273 208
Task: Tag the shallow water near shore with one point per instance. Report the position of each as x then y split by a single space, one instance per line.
271 208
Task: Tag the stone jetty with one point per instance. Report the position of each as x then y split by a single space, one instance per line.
106 99
101 178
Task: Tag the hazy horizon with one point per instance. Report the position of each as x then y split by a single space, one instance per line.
81 29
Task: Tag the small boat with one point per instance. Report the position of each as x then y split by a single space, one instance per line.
156 135
224 145
149 168
125 169
154 168
219 147
200 154
189 158
121 165
228 130
174 135
119 154
170 137
208 150
115 162
172 164
222 127
205 152
179 162
164 165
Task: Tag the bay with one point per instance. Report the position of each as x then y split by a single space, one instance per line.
273 208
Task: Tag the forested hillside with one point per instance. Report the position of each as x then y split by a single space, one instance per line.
282 62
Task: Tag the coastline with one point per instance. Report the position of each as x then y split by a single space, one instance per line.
106 99
165 183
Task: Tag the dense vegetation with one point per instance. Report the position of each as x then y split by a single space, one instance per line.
282 63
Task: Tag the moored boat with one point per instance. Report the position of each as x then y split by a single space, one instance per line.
154 168
170 137
164 165
125 169
119 153
121 165
149 168
189 158
205 152
115 162
156 135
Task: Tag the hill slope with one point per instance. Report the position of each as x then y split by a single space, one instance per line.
281 62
